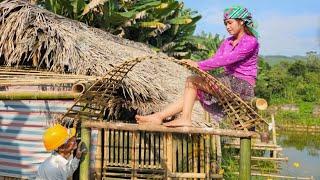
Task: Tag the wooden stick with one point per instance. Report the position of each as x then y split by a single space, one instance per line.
160 128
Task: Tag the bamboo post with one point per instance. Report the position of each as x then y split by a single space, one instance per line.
116 147
169 154
245 159
207 152
195 155
106 148
274 135
213 154
202 154
174 155
135 154
98 163
219 151
85 163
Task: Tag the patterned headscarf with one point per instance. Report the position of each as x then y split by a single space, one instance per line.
239 12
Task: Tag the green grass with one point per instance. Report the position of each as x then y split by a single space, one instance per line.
303 117
231 165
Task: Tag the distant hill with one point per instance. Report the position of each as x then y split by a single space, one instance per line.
275 59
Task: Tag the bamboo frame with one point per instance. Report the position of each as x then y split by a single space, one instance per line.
163 129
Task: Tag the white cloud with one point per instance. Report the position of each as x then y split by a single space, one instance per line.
289 35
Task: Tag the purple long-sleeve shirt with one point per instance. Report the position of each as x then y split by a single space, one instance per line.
239 60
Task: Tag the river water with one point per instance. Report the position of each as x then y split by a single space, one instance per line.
303 151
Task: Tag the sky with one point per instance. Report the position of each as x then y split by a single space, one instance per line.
286 27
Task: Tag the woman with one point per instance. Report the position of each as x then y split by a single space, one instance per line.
238 55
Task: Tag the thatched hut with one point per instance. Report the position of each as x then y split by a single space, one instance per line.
43 55
70 51
33 37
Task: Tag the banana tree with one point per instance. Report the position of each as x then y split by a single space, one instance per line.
164 24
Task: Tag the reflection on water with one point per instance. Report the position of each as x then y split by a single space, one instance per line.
303 151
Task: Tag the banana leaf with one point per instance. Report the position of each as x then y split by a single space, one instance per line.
180 20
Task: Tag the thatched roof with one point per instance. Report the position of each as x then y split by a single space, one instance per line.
31 36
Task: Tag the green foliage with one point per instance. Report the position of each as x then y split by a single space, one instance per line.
289 82
207 44
303 116
164 24
230 164
298 68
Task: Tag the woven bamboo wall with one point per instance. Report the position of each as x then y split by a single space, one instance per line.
142 155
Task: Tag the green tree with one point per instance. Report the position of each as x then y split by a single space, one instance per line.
298 68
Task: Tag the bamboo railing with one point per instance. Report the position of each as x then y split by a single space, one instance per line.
158 152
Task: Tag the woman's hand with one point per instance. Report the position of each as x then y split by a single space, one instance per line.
190 63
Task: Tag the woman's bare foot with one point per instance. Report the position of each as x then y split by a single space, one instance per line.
153 118
180 122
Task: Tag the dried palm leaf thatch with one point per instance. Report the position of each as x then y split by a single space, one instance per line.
34 37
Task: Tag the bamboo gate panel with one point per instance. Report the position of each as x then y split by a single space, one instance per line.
94 102
131 151
147 155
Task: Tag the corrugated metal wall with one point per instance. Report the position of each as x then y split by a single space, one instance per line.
22 123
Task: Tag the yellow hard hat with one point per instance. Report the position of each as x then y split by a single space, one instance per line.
56 136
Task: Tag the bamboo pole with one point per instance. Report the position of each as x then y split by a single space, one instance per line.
202 154
279 176
81 87
106 142
274 136
169 155
37 95
174 155
134 154
195 155
142 148
266 158
188 175
98 156
163 129
219 151
85 163
245 159
207 156
165 155
213 154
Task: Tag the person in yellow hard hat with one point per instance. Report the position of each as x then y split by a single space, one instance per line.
61 164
